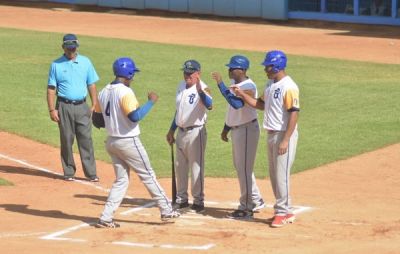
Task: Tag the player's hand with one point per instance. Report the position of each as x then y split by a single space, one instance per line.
216 76
283 146
170 137
224 136
54 116
236 89
152 96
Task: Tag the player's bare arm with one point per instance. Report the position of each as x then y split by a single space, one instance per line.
51 94
93 96
283 146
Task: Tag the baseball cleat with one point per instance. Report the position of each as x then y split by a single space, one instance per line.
290 218
173 214
69 178
178 206
280 220
240 215
197 208
94 179
258 206
106 224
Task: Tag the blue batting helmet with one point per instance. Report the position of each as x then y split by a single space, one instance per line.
124 67
277 59
239 62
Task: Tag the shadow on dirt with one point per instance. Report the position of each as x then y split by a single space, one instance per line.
34 172
24 209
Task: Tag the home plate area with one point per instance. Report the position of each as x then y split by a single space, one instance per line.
141 227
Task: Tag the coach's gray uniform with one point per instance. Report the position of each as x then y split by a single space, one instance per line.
126 149
191 142
245 134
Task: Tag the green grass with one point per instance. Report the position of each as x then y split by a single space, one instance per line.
4 182
347 107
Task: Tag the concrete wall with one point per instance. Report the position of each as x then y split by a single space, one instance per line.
264 9
267 9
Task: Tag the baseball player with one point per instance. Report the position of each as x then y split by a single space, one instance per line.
192 100
280 103
242 120
119 113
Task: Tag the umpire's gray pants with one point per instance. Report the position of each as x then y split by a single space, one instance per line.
244 145
279 170
129 153
75 121
191 145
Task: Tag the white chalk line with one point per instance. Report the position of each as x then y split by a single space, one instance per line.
11 235
166 246
57 235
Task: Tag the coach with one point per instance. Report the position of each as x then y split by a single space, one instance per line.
70 78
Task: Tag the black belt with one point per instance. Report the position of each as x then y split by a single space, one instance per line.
189 128
252 121
74 102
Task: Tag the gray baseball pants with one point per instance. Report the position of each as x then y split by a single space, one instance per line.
75 120
191 145
129 153
279 170
244 145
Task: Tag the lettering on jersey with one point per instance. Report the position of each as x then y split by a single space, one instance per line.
276 93
108 109
191 98
295 102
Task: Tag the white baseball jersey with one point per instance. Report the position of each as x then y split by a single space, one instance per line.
245 114
280 98
190 111
116 101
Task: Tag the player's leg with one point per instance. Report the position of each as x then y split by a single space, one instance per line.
196 155
272 143
240 147
67 136
135 155
254 135
182 169
119 187
282 175
83 129
284 164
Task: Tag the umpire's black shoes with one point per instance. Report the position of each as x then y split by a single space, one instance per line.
197 208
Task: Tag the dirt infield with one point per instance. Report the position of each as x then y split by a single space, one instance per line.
350 206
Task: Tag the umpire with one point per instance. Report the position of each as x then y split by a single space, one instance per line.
70 78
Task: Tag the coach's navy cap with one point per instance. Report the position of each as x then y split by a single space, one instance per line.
70 41
191 66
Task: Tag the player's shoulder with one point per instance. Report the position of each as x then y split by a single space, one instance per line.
247 84
181 86
203 84
289 83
